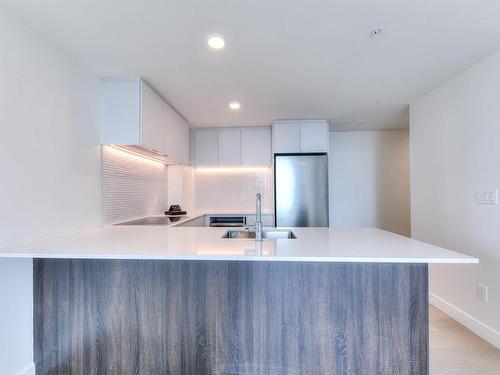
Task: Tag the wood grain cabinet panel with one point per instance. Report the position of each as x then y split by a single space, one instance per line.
207 317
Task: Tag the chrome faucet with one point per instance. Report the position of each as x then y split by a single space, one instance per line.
258 219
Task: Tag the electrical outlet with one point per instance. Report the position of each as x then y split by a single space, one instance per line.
482 292
487 196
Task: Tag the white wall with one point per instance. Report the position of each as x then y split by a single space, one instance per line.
455 149
49 163
369 180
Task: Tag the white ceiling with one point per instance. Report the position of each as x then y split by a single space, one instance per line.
285 59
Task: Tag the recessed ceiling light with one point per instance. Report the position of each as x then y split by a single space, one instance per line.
216 41
234 106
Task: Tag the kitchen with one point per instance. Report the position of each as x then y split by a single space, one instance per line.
96 277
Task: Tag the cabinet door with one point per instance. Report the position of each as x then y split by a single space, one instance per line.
256 147
286 137
229 146
152 121
314 136
198 222
121 112
183 144
176 135
205 147
267 220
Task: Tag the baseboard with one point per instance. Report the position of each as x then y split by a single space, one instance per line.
29 370
479 328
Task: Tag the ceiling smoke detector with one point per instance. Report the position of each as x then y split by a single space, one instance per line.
376 32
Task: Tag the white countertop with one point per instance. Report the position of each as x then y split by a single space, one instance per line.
201 243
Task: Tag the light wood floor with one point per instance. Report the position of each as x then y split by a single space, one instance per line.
454 350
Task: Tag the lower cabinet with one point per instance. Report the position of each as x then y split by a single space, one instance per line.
267 220
204 221
197 222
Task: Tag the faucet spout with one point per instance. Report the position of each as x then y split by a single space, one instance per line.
258 218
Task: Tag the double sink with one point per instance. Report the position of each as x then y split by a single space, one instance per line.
257 232
266 234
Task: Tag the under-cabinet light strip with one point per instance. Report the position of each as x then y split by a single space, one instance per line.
133 154
231 169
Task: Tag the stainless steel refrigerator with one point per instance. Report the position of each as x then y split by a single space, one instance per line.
301 190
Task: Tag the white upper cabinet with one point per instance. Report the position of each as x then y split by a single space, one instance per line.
314 136
176 136
121 112
153 121
133 114
256 147
300 136
229 146
286 137
205 147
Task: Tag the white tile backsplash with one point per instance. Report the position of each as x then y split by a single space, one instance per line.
132 186
233 189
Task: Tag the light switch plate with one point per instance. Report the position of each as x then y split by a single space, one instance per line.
487 196
482 292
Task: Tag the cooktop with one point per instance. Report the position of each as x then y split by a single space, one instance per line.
155 220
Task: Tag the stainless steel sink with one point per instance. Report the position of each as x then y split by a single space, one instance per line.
266 234
278 235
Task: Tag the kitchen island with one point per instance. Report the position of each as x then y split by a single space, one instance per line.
166 300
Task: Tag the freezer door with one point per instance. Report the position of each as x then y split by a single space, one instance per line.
301 197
